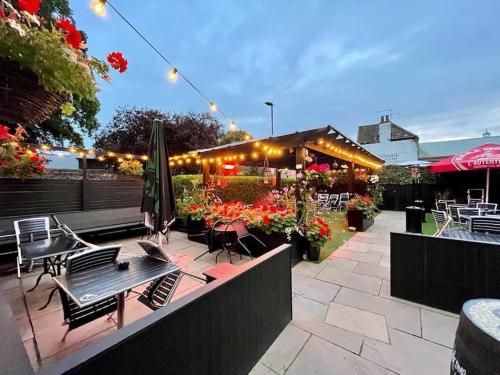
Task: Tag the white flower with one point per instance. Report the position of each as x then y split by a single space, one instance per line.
16 26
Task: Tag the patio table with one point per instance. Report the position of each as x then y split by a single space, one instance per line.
471 236
96 284
50 250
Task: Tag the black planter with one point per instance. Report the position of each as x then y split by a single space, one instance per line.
312 253
275 239
356 219
195 228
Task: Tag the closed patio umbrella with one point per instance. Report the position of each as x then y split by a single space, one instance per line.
486 157
158 201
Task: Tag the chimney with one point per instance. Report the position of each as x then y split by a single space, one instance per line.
381 119
387 118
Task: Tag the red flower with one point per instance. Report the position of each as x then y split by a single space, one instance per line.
30 6
66 25
40 168
117 61
266 220
2 13
74 39
4 133
322 231
34 159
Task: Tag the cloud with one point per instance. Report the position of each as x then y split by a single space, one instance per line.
460 124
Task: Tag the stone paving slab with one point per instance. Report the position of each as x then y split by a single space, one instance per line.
356 320
310 316
398 315
367 284
315 289
354 255
373 270
323 358
285 348
408 355
438 328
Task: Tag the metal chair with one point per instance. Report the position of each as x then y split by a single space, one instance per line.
333 201
160 292
453 212
441 206
322 199
75 316
487 206
210 237
441 218
29 230
465 213
343 199
485 224
243 238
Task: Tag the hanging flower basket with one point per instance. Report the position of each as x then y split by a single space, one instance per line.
22 100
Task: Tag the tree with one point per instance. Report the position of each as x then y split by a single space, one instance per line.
130 129
235 136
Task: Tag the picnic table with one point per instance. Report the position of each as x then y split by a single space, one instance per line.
460 234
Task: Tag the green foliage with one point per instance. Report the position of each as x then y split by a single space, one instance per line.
234 136
399 175
45 53
131 168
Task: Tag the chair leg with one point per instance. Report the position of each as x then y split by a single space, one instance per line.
199 256
38 279
18 268
50 299
66 334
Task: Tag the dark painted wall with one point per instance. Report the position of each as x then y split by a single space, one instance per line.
222 328
443 272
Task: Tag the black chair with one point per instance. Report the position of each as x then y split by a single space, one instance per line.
453 211
487 206
485 224
441 206
236 236
29 230
212 238
442 220
75 316
160 292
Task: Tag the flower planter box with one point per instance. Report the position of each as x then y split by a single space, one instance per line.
195 228
356 219
275 239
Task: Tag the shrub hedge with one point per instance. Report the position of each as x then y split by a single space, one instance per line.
399 175
247 189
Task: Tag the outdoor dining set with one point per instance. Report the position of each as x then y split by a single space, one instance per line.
95 282
334 202
477 221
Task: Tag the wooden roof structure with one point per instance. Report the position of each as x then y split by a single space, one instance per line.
282 150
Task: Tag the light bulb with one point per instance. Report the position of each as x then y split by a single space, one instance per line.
99 7
232 126
172 75
213 107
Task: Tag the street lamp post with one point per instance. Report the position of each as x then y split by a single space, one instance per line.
271 104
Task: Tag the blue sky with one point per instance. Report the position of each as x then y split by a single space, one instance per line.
435 63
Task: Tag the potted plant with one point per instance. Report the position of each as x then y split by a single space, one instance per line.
360 212
317 175
44 64
317 233
15 160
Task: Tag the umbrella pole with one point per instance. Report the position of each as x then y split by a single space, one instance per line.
488 185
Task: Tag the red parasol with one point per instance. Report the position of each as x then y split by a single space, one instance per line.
486 156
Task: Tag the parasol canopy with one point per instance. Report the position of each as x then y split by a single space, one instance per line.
158 201
484 157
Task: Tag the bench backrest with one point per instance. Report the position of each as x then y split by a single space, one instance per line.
485 224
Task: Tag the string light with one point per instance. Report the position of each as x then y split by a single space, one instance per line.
100 158
45 147
72 149
129 156
144 157
99 7
247 137
111 154
172 75
120 160
232 126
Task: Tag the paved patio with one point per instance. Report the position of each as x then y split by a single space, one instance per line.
346 322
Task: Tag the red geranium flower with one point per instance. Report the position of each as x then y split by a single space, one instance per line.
322 231
117 61
66 25
40 168
34 159
4 133
266 220
30 6
2 13
74 39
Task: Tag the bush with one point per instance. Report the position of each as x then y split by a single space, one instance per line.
246 189
399 175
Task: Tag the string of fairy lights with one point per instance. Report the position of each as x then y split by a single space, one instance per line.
99 8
